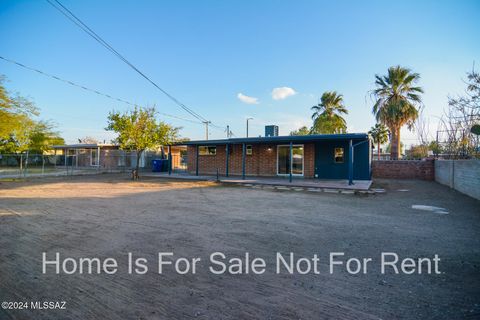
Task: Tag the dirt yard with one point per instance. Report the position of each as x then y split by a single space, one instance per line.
109 216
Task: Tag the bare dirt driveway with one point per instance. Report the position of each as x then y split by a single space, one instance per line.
109 216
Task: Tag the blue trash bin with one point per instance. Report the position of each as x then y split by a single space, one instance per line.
157 165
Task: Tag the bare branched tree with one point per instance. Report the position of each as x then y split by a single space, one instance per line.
422 128
455 131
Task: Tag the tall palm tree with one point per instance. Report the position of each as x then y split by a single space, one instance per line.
397 102
327 116
379 134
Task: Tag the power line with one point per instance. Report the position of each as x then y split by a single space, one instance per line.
72 17
89 89
97 91
77 21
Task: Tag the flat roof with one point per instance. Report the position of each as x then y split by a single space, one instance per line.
84 145
280 139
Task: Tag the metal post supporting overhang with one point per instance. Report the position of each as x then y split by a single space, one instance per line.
243 160
196 160
98 158
169 160
291 161
227 150
350 162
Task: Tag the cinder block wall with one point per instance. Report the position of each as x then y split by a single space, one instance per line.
404 169
262 162
462 175
444 172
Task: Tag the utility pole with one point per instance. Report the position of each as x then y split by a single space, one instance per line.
228 132
247 124
206 128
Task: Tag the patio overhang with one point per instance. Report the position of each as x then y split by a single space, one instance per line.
353 139
278 139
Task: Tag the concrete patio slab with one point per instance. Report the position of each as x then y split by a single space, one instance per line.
358 185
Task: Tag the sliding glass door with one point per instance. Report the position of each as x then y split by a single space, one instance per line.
283 160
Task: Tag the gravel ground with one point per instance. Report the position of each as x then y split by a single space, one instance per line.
109 216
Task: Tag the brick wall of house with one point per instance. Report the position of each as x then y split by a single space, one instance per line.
262 162
404 169
309 160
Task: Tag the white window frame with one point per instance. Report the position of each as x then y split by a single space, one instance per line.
91 158
291 164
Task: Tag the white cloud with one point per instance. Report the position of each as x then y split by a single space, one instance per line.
247 99
282 93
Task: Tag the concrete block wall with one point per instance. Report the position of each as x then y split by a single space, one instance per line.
444 172
262 162
461 175
404 169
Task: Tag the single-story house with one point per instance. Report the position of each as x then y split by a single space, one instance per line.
90 155
325 156
110 156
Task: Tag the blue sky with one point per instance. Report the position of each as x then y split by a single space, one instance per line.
207 52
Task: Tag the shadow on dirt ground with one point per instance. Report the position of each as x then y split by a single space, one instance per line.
109 216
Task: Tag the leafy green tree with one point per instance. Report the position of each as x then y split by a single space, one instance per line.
31 137
303 131
138 130
379 134
19 131
18 139
14 110
397 102
9 122
435 147
327 116
42 137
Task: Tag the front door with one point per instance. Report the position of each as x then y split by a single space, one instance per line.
331 160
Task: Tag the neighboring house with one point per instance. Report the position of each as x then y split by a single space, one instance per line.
310 156
93 155
109 156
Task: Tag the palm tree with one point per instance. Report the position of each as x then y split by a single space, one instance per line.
380 135
327 116
397 102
